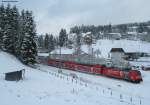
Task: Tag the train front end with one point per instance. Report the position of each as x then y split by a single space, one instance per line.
135 76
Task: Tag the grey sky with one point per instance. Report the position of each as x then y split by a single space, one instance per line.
51 15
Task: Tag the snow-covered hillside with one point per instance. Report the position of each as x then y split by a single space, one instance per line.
44 86
128 46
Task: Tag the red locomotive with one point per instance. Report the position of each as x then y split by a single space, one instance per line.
126 74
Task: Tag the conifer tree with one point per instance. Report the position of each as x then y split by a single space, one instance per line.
10 31
2 14
51 43
15 29
62 37
46 41
41 42
17 33
56 42
7 33
28 50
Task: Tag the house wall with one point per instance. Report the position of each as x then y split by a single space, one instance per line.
117 57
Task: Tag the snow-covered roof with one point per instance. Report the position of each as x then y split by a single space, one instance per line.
63 51
87 33
43 54
8 63
132 33
133 27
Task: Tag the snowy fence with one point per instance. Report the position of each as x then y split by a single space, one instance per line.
104 92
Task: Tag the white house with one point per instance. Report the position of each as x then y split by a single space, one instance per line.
117 56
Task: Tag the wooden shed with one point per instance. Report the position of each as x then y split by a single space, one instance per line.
15 75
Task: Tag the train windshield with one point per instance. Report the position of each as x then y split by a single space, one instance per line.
138 72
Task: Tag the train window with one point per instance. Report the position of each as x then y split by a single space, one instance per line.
126 69
97 69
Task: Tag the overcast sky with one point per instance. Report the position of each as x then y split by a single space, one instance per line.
52 15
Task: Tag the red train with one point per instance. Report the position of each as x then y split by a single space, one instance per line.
125 74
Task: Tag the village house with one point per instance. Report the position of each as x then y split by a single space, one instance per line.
117 54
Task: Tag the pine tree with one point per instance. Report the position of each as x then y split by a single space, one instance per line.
15 29
56 42
7 36
51 43
17 33
76 30
10 33
41 42
140 28
21 34
62 37
28 50
123 28
46 41
2 14
109 28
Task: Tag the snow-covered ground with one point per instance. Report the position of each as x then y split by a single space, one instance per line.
116 85
44 86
